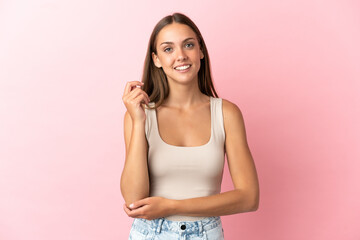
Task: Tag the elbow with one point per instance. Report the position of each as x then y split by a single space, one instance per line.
252 206
131 195
254 202
255 206
250 201
130 198
127 195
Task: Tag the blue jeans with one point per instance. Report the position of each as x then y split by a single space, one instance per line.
209 228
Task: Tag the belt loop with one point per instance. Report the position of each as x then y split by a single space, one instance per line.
200 228
161 220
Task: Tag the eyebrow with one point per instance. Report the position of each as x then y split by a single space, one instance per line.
173 43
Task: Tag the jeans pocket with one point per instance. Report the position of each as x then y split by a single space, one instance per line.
137 234
215 233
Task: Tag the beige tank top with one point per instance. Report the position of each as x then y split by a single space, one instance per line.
178 172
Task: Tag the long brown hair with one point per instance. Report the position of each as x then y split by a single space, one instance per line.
155 80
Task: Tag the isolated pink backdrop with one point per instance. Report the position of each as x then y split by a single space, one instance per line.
292 67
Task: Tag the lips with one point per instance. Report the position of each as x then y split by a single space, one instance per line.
182 67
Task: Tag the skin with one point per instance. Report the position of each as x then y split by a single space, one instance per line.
135 170
188 107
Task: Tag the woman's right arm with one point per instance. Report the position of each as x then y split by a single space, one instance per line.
134 183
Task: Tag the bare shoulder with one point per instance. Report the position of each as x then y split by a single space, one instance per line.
234 123
231 111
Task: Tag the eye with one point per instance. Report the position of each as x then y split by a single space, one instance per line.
167 49
191 44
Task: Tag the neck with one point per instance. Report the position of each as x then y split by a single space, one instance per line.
185 95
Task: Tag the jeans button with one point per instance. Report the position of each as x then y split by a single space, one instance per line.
183 227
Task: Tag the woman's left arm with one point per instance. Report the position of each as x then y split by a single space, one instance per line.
244 197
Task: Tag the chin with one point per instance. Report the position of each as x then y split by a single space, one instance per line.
184 80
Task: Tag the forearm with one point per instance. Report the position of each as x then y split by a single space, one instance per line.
135 178
226 203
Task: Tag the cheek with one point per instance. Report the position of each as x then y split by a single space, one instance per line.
195 56
167 65
197 59
169 62
166 61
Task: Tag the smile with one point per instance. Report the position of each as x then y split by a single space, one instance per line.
182 68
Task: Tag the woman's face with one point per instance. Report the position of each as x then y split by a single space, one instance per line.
178 53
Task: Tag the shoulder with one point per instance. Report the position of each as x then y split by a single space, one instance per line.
231 111
234 123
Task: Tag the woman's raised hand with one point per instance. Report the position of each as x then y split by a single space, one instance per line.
133 99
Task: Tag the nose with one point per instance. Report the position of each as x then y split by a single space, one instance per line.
181 55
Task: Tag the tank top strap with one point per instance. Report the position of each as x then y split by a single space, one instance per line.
150 118
218 125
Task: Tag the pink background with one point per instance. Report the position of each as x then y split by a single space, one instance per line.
292 67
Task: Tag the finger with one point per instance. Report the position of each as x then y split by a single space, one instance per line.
127 210
138 203
130 97
129 85
146 97
133 84
137 86
126 207
134 93
132 213
139 212
140 99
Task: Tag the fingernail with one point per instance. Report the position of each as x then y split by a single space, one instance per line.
132 205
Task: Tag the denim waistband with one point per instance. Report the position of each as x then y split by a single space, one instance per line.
159 224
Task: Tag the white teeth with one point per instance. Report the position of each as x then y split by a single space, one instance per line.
183 67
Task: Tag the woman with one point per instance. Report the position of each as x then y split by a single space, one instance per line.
172 175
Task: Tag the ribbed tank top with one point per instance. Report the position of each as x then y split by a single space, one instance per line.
178 172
